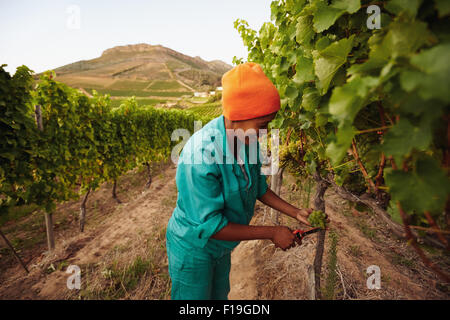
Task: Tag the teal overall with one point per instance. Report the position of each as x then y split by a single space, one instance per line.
213 189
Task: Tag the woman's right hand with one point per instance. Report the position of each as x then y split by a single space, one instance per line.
283 238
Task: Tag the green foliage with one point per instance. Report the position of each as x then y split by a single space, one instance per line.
385 90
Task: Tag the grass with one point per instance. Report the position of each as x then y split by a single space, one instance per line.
402 261
329 291
355 251
174 65
368 231
118 281
15 213
119 277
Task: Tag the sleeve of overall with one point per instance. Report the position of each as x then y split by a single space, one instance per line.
202 200
262 184
262 180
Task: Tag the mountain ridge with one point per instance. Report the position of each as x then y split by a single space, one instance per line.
143 62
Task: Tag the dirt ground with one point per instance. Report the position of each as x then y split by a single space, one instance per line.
122 253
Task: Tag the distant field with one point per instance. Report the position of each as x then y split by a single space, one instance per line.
165 85
141 102
199 99
85 82
121 93
169 93
207 109
139 93
128 85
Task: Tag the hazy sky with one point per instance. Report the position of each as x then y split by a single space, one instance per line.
45 34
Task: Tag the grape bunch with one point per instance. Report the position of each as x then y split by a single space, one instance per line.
317 219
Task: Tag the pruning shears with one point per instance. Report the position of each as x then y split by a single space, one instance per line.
302 233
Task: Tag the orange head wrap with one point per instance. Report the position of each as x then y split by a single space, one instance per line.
248 93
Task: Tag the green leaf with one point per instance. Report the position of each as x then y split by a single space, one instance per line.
304 70
305 31
310 99
325 16
328 61
419 138
350 6
394 213
295 6
443 7
409 6
346 101
433 79
425 188
337 150
405 37
321 120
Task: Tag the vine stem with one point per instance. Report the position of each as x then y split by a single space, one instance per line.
415 245
373 129
379 177
413 240
429 229
361 166
438 230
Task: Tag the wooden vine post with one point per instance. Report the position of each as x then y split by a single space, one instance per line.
114 192
149 175
319 205
83 210
275 186
48 215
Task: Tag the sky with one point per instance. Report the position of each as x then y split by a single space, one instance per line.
47 34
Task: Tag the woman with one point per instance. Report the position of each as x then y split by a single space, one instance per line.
218 184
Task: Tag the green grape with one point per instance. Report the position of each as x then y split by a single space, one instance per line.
317 219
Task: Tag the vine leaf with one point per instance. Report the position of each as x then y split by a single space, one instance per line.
328 61
347 100
426 180
409 6
336 150
432 81
405 36
326 15
419 138
305 31
443 7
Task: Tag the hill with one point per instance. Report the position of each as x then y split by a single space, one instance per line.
145 71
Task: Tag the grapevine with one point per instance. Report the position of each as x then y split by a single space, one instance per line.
370 107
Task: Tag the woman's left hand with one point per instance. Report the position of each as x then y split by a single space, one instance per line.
303 214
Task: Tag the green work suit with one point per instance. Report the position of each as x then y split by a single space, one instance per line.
213 189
